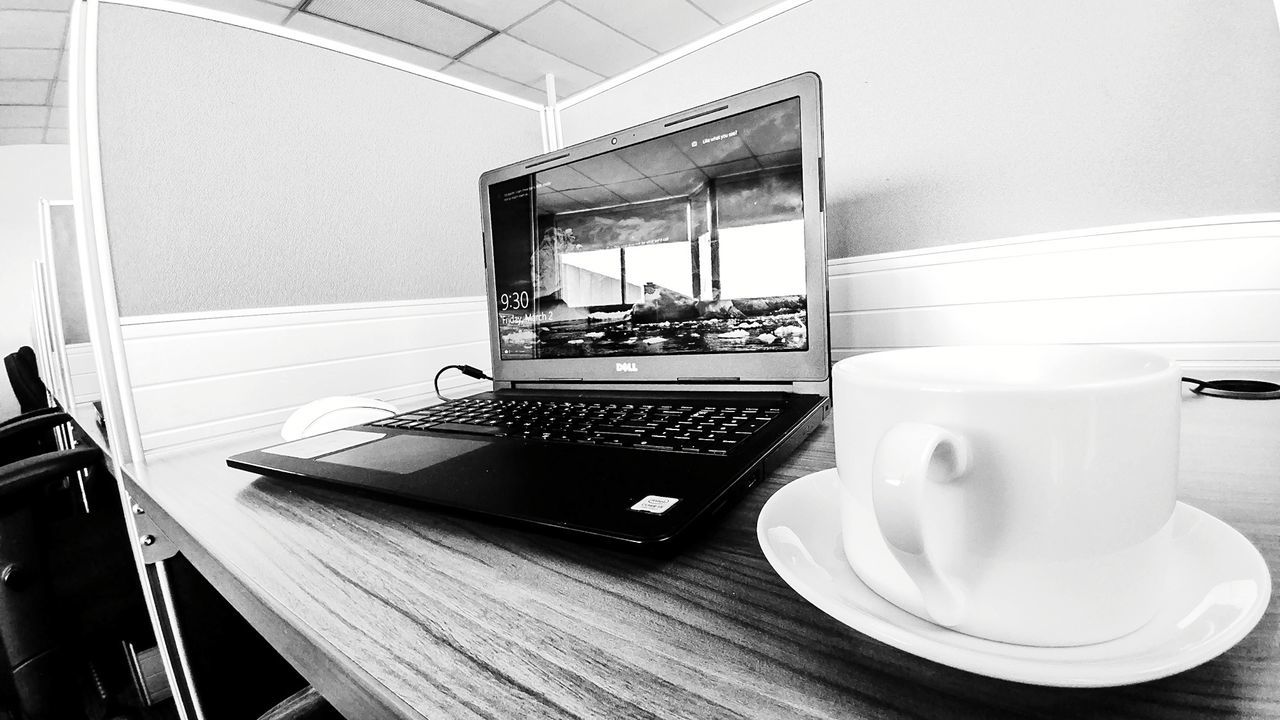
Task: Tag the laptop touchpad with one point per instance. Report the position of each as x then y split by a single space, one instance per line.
404 453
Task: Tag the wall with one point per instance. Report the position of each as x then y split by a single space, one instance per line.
244 170
955 122
27 174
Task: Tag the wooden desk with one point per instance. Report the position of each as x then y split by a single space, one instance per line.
393 611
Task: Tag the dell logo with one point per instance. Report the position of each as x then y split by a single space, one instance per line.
625 367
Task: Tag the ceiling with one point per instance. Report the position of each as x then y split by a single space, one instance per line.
506 45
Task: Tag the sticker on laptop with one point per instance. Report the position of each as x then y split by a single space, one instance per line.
655 504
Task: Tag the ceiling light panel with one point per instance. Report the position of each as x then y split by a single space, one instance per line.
727 11
577 37
28 64
516 60
23 92
365 40
32 29
499 15
406 20
660 24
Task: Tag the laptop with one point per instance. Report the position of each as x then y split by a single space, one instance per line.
657 304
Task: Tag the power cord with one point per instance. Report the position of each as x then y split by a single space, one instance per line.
467 370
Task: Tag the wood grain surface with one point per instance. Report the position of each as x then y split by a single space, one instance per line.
394 611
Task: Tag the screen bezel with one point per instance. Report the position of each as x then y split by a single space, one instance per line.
809 365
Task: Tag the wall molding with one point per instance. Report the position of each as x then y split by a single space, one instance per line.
1059 241
198 376
1204 292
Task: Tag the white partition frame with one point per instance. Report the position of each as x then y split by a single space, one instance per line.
103 322
43 322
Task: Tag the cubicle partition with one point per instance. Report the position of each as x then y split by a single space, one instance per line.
71 353
333 240
947 160
199 376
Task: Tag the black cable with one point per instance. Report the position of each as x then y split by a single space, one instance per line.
1235 389
467 370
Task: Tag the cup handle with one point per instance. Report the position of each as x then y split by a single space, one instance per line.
908 458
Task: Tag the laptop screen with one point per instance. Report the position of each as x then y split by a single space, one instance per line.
692 242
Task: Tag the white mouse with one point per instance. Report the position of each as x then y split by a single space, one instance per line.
333 413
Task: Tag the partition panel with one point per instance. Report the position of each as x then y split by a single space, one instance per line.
962 122
246 170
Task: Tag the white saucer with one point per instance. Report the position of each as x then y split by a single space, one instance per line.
1218 592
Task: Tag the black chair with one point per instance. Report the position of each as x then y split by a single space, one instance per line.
34 493
63 606
24 376
61 596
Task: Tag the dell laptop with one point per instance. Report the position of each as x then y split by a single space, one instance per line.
657 304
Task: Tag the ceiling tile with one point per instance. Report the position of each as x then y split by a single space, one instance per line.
24 92
253 9
19 116
367 41
32 28
60 136
28 64
285 3
489 80
727 11
58 118
60 93
506 56
21 136
63 5
577 37
498 15
661 24
407 20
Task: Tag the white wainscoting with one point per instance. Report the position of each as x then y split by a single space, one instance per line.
203 375
1203 292
1206 293
84 374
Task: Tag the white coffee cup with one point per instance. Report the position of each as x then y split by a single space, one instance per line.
1022 494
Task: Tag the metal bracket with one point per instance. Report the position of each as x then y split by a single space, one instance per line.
153 543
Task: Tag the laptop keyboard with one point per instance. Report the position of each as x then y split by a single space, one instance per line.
693 428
